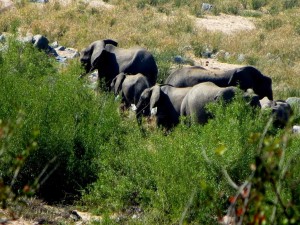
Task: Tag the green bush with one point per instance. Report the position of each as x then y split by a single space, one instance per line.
176 169
73 124
272 23
288 4
257 4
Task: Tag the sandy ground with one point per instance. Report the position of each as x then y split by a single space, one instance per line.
227 24
85 218
214 64
6 4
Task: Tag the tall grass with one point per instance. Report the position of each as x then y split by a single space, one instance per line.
165 29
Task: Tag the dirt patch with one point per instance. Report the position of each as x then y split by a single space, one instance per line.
224 23
100 4
93 3
6 4
214 64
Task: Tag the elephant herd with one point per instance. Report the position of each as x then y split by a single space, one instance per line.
132 74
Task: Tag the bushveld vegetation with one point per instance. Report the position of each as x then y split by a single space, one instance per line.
61 141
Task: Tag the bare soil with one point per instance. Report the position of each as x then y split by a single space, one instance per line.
228 24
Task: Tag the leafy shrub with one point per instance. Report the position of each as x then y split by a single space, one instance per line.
272 23
177 169
288 4
257 4
73 124
232 7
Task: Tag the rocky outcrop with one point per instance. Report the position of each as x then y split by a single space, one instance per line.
61 53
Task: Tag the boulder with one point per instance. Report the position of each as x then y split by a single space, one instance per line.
294 101
206 6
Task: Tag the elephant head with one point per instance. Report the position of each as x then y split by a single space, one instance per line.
142 108
146 99
116 84
90 55
225 94
250 77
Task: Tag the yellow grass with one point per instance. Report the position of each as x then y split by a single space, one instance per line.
275 51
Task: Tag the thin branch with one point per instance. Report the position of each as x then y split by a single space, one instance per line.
187 206
245 203
279 199
269 123
281 176
230 181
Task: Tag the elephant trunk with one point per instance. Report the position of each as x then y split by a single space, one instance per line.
270 96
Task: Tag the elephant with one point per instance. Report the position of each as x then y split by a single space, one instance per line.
280 110
129 87
194 103
163 102
110 60
245 77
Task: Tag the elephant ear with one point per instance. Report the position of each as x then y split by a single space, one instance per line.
154 96
98 48
85 54
233 81
117 83
226 94
111 42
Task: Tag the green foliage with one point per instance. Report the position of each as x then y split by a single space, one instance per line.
183 165
7 196
257 4
288 4
73 124
272 23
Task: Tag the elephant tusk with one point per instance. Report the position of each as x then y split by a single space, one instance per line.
133 107
154 111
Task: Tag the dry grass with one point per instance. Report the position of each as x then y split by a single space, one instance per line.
273 46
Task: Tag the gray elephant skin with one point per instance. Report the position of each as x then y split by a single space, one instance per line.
129 87
280 110
244 77
110 60
165 100
194 103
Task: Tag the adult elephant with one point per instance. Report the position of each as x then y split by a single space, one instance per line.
245 77
129 87
110 60
163 102
194 103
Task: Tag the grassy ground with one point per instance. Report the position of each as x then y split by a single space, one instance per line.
52 123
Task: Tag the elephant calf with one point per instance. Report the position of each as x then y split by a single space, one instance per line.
162 101
195 102
281 111
129 87
245 77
